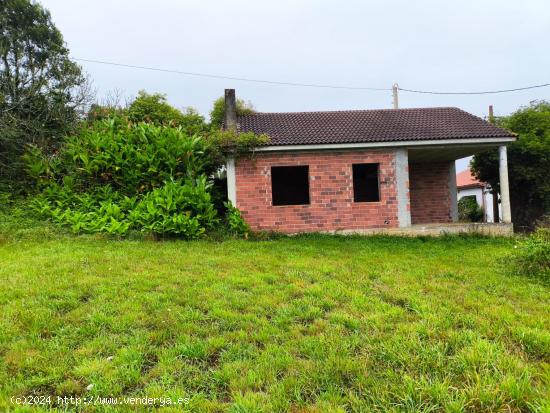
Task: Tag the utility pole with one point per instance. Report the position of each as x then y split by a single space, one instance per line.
395 88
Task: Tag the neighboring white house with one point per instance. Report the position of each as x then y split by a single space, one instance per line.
468 185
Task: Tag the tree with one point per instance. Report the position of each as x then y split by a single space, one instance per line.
42 91
528 163
154 108
217 114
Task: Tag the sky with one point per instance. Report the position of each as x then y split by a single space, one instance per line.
423 45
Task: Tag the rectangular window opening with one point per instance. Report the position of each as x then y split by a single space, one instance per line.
365 182
290 185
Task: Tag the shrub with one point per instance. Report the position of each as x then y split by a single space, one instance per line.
531 255
235 222
469 210
102 210
177 209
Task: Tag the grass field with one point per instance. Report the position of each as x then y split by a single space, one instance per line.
304 324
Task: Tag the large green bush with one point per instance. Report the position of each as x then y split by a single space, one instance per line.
132 159
177 209
116 176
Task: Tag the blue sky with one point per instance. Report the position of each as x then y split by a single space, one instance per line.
429 45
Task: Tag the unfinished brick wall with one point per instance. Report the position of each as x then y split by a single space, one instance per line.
429 192
331 192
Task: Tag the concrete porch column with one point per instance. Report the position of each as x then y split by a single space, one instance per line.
453 192
504 187
402 184
231 181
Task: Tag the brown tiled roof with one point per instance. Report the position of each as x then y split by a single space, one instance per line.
358 126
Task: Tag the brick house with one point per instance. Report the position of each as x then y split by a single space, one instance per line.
357 171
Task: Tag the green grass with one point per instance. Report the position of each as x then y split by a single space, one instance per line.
303 324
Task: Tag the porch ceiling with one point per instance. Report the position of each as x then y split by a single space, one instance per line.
446 152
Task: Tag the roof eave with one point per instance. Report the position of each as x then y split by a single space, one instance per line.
388 144
471 186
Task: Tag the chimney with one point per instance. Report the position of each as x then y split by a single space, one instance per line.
230 110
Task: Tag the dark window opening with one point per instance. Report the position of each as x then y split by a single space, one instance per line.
365 182
290 185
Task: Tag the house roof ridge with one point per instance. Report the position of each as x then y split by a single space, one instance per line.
355 111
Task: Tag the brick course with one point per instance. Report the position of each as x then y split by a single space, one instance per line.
331 192
429 192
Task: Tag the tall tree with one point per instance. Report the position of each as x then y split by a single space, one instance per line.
528 163
42 91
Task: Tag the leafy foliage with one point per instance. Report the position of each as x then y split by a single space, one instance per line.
42 92
224 143
116 176
154 108
469 210
532 255
235 222
148 108
217 114
177 209
102 210
130 158
98 112
528 163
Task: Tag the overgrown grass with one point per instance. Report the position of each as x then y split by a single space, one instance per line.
303 324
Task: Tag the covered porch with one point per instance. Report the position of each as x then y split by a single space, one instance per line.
427 191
